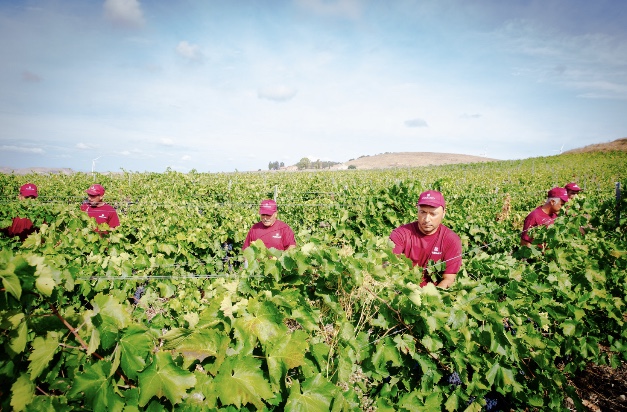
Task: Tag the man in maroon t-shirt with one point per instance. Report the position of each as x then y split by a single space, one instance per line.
545 214
23 226
99 210
427 239
272 232
572 189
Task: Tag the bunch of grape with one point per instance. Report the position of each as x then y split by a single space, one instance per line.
453 379
508 327
491 404
138 294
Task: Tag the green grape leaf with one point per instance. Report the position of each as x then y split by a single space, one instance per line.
45 284
196 343
23 390
17 344
316 395
94 384
43 351
110 317
11 282
266 322
286 352
164 378
135 345
240 381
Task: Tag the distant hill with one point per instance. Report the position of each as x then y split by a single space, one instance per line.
41 170
411 159
381 161
616 145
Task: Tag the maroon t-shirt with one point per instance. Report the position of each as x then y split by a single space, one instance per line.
536 218
103 214
443 245
21 226
279 236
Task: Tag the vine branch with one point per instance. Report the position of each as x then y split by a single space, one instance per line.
83 344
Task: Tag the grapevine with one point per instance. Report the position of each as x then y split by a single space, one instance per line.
163 314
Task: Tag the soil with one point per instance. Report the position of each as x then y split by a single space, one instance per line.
602 388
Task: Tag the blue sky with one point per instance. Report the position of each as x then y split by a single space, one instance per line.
219 86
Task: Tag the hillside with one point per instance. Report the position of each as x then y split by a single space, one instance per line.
411 159
618 144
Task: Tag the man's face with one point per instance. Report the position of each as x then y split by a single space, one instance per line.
268 220
556 205
94 200
429 218
571 194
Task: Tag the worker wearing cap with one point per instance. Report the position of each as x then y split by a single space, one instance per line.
427 239
544 215
572 189
23 226
99 210
272 232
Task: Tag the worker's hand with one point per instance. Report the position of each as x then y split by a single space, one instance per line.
447 280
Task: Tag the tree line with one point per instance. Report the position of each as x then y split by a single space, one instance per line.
304 163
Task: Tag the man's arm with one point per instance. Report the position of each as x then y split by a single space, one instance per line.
290 239
447 280
452 246
114 220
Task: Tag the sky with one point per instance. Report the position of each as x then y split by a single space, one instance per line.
224 86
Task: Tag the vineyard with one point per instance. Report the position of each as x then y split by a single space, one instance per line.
162 314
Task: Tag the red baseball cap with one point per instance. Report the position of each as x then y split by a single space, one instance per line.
573 186
267 207
431 198
95 190
559 192
28 189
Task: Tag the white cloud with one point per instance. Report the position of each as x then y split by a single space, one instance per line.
186 157
470 116
592 62
277 93
167 142
189 51
416 123
83 146
20 149
126 13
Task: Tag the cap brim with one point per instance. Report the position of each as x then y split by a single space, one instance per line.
432 204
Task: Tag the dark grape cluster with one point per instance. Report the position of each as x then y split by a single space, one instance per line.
491 404
508 327
138 293
228 248
453 379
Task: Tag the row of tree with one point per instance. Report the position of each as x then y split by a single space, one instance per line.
303 163
275 165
